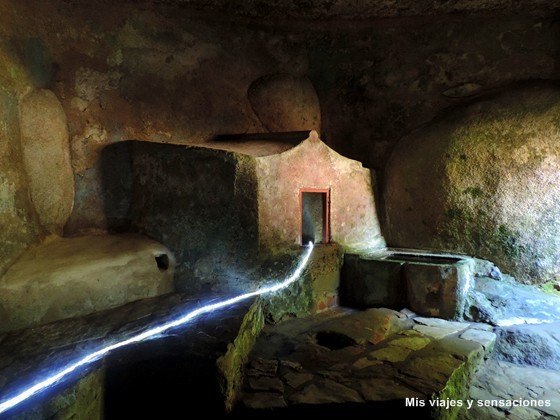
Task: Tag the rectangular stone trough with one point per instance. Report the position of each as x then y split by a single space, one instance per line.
429 284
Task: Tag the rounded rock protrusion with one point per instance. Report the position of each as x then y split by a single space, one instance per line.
284 102
484 180
46 156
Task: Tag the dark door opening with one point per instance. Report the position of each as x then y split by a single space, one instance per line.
314 216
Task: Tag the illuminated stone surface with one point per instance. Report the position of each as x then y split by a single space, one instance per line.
369 326
535 345
400 363
371 282
485 338
414 342
46 155
182 71
435 283
500 380
391 354
135 375
437 322
124 75
462 349
82 399
139 324
435 332
483 180
78 276
507 302
317 292
217 221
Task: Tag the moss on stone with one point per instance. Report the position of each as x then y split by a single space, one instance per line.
20 225
509 241
230 365
457 386
474 192
82 400
483 181
550 287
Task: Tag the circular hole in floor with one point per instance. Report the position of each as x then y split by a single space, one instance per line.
333 340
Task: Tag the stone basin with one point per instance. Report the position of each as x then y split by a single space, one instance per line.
431 284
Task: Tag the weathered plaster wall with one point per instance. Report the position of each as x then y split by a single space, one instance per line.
312 164
484 180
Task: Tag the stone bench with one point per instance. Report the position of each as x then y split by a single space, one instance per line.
69 277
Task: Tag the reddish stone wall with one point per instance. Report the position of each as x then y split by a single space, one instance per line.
312 164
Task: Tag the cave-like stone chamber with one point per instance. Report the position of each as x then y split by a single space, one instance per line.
376 184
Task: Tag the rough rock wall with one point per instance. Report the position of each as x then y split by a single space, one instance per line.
201 204
376 83
36 179
46 158
18 221
182 71
185 71
125 72
484 180
365 9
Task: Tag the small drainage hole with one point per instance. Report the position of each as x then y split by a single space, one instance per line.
162 262
333 340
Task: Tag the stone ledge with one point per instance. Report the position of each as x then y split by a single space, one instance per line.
70 277
26 355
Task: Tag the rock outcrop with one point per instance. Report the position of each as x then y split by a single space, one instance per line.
483 180
46 155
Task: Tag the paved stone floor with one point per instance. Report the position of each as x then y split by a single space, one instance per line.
341 360
499 380
345 356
